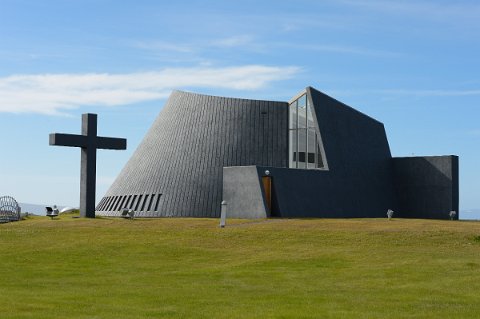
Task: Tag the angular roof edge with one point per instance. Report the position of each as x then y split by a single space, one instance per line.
306 90
226 97
309 88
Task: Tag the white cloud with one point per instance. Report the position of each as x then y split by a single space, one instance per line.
56 93
446 12
429 92
474 132
248 43
235 41
192 48
391 93
343 49
165 46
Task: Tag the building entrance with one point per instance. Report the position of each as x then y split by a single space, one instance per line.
267 188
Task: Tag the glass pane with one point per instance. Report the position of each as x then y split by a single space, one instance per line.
311 143
302 111
310 120
292 149
293 115
319 155
302 148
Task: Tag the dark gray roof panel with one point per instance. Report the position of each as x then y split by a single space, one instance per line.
358 155
179 162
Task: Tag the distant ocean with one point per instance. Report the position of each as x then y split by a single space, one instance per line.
472 214
35 208
468 214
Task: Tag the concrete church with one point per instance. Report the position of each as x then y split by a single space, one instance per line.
311 157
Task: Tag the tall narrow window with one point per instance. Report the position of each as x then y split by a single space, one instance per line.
292 151
128 203
293 148
144 202
319 159
158 200
132 205
293 116
312 143
117 202
150 203
110 203
138 202
304 142
302 148
122 203
310 120
302 112
100 205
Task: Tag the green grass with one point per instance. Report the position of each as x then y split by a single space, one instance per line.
191 268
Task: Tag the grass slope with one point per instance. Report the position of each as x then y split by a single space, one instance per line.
190 268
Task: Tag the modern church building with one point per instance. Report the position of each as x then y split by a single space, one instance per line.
311 157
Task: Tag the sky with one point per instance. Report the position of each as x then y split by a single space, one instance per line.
413 65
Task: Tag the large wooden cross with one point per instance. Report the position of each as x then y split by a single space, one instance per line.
89 142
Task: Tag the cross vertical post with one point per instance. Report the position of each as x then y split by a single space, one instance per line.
88 167
89 142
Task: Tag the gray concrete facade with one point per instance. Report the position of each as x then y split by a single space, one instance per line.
358 180
204 149
177 169
243 192
427 187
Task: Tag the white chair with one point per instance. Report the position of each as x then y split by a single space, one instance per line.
51 212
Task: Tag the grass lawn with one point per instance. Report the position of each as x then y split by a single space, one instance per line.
191 268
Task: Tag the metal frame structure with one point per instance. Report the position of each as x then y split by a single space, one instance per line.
9 209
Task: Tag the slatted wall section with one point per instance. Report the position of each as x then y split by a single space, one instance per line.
182 155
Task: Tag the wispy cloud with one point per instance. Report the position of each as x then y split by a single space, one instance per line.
393 93
165 46
235 41
429 93
342 49
249 43
56 93
244 41
445 12
474 132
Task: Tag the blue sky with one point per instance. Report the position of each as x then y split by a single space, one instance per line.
413 65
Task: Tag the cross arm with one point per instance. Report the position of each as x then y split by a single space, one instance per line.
68 140
111 143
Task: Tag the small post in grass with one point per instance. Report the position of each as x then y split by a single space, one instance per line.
223 214
389 214
452 214
128 213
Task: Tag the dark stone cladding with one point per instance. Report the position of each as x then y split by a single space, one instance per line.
358 182
358 157
427 186
177 168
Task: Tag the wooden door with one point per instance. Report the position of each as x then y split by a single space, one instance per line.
267 188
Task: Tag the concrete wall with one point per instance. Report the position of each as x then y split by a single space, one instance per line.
243 192
427 187
177 168
359 178
316 193
358 181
